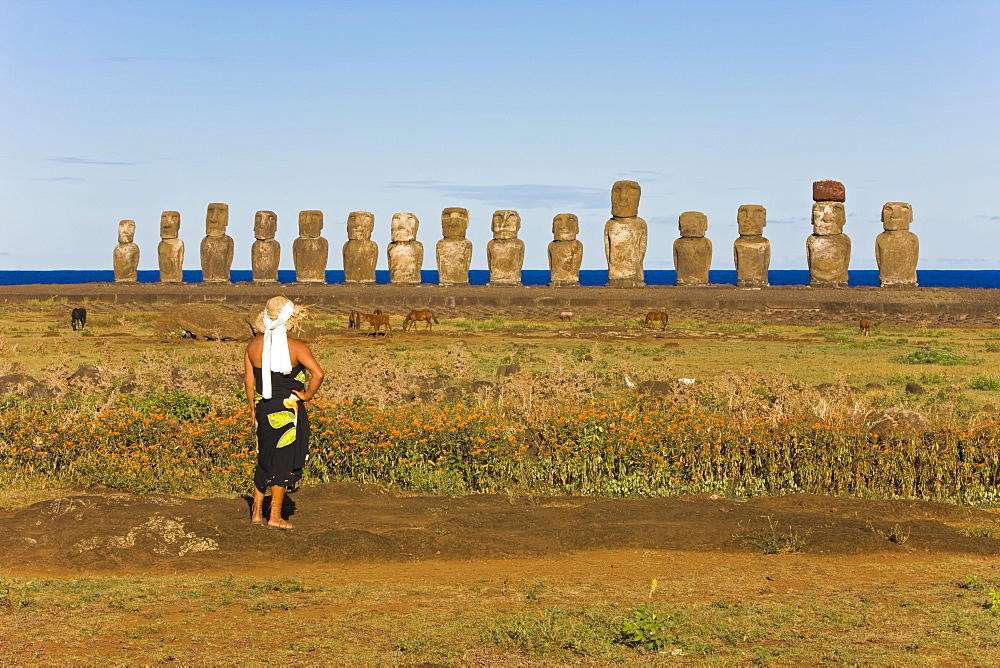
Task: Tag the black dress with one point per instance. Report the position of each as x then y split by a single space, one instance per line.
282 430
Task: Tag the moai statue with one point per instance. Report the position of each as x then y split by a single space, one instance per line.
751 251
692 251
266 251
896 249
505 252
828 249
565 251
126 255
406 254
454 251
360 252
170 251
625 237
310 251
217 247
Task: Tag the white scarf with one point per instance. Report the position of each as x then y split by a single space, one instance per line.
275 355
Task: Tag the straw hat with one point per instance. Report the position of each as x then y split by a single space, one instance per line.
273 308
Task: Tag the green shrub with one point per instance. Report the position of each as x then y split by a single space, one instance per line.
932 356
985 383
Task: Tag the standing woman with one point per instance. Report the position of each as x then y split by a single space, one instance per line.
275 382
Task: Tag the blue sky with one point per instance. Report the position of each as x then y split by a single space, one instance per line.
121 109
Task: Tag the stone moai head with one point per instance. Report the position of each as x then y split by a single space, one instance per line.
751 219
506 224
310 224
828 218
625 199
828 191
454 222
217 220
404 227
265 225
170 224
126 231
565 227
360 225
693 224
896 216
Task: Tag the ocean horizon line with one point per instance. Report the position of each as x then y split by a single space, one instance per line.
942 278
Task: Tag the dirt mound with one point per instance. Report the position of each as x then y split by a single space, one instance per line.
204 321
340 523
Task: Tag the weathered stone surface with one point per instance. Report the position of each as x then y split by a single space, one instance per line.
897 249
896 216
505 252
265 253
170 251
625 250
126 255
692 224
204 321
217 248
21 385
751 251
751 220
828 218
85 373
310 251
692 260
829 257
625 199
829 191
565 251
888 420
360 252
406 254
914 387
454 252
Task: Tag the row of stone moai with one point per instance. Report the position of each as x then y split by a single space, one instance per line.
828 249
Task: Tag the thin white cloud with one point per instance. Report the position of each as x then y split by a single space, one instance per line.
70 160
68 179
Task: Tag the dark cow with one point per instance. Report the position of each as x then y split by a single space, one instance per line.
78 318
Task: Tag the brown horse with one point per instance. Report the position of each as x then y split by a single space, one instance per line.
413 317
357 317
377 321
565 315
655 316
865 327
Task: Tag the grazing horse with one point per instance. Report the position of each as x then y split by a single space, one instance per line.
78 318
413 317
565 315
655 316
865 327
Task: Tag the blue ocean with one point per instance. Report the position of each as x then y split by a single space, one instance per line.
928 278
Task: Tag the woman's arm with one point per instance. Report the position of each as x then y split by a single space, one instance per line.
305 358
249 384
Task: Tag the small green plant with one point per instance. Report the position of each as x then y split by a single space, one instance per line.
990 383
993 602
774 541
933 379
647 630
971 583
932 356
